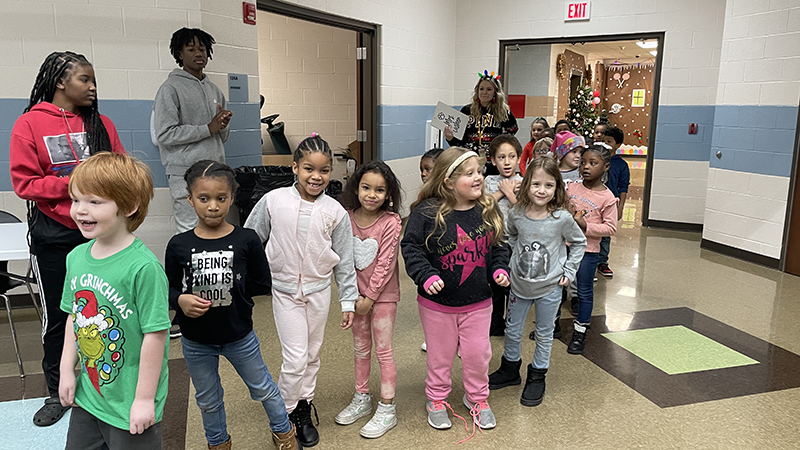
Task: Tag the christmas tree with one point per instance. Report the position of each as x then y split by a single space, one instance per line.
582 113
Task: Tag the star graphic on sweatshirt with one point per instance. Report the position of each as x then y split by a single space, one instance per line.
466 254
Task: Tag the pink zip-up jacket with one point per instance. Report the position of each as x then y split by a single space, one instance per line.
375 251
327 250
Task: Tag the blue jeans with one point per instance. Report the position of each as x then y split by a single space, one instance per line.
585 278
245 356
605 245
545 308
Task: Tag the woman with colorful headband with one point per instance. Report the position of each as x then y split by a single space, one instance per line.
489 117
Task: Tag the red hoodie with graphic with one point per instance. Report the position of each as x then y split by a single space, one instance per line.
46 144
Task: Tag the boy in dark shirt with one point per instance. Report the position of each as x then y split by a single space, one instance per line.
619 178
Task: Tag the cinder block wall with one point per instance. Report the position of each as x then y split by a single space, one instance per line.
128 45
754 126
308 76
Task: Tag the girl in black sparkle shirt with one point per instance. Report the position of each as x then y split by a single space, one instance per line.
453 242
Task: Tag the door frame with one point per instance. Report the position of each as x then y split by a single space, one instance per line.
505 44
367 92
793 194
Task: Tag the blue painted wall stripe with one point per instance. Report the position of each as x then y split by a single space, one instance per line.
402 130
132 120
754 139
673 140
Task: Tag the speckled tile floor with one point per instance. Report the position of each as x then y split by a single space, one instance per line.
586 407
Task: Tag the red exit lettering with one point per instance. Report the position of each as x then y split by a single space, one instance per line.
577 10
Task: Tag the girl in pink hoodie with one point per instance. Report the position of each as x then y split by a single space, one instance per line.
372 199
59 128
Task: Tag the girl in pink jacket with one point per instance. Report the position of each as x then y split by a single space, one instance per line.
372 199
595 210
309 240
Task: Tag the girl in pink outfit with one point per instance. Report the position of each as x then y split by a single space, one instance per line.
595 210
372 199
309 241
452 246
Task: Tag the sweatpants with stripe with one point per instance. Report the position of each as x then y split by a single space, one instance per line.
300 320
51 242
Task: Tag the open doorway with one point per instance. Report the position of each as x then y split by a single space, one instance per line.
319 72
542 77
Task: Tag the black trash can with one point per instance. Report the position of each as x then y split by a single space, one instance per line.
255 181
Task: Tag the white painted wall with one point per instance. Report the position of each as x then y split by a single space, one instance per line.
692 47
679 191
692 44
417 48
760 65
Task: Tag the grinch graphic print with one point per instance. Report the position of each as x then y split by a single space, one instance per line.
99 339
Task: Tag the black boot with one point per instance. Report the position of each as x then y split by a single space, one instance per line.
307 435
577 343
506 375
533 393
557 330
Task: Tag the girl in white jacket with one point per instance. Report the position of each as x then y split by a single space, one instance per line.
309 239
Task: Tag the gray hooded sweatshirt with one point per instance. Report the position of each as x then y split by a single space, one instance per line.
182 110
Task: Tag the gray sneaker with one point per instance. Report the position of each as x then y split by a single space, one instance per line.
437 414
481 413
359 407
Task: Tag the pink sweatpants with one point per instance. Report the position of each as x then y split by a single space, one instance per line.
379 324
447 333
300 320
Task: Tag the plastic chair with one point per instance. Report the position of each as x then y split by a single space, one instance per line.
13 247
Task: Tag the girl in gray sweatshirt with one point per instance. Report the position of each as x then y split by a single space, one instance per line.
539 228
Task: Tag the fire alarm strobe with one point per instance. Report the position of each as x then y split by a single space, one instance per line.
249 13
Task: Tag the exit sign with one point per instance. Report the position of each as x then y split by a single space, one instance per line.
577 11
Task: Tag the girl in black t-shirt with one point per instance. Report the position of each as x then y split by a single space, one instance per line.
213 271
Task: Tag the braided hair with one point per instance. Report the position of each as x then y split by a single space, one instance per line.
312 144
58 66
210 169
603 151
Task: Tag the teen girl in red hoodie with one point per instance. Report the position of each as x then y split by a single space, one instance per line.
60 128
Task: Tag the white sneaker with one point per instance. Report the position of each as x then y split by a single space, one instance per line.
385 419
360 406
424 346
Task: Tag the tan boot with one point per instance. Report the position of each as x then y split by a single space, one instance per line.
285 441
224 446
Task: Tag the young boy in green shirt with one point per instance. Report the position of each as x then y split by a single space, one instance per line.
116 293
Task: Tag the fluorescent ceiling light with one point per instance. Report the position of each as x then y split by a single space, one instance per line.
654 52
647 44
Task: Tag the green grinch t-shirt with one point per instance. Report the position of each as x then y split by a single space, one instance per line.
114 301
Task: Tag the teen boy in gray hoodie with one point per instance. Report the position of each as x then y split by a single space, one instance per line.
190 119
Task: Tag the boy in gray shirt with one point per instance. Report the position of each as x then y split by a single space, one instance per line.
190 119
